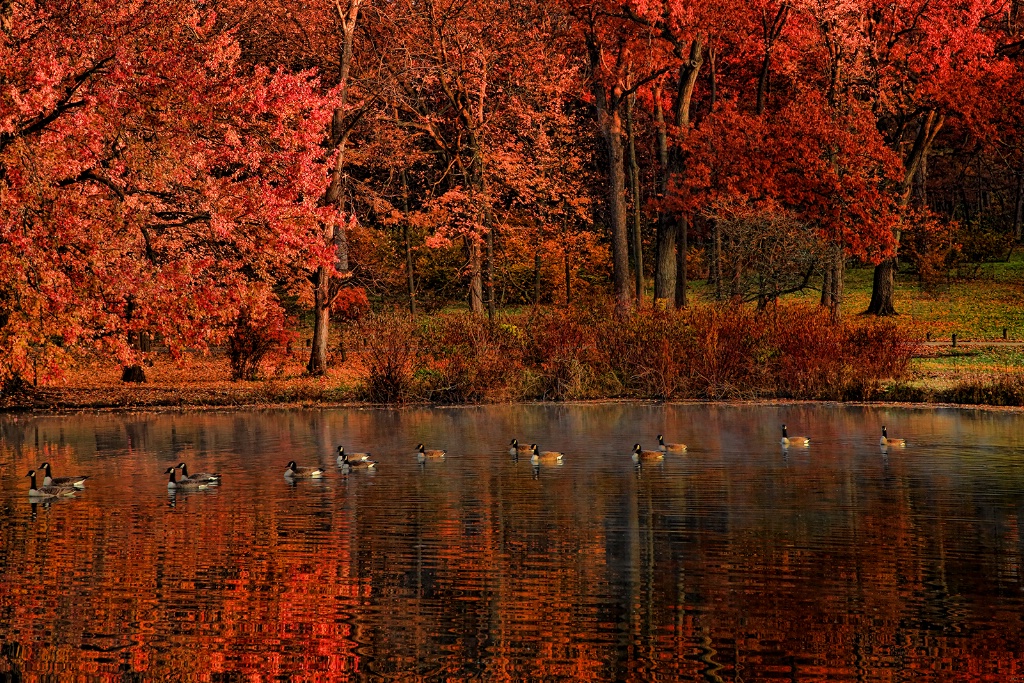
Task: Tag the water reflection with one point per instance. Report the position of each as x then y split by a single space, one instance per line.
734 561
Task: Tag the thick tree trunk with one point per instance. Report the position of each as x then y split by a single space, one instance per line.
832 281
681 280
611 127
140 341
634 188
883 287
665 240
317 364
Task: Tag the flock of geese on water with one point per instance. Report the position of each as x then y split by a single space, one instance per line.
56 487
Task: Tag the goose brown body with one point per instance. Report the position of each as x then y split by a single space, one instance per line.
434 453
671 447
296 472
788 440
48 491
50 480
886 440
516 448
198 476
546 456
352 457
366 464
639 454
184 484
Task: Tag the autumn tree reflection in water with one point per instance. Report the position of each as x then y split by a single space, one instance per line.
736 561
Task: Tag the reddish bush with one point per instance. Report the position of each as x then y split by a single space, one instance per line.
258 331
705 352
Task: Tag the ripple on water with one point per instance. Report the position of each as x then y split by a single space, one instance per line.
734 561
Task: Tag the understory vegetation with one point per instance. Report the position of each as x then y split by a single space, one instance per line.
707 352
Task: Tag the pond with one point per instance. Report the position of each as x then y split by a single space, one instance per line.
736 561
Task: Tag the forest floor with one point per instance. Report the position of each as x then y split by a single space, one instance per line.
977 310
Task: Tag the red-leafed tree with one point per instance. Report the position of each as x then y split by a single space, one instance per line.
147 184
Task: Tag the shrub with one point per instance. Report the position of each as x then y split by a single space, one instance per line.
711 352
258 330
390 352
997 390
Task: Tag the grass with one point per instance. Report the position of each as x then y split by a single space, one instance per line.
976 310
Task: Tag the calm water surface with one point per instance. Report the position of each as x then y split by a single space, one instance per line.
734 562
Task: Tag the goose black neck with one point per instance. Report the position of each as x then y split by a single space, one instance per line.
184 471
784 434
34 481
170 476
46 469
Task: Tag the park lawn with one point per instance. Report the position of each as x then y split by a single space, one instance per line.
975 309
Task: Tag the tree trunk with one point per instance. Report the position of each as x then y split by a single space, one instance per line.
138 341
772 31
476 284
489 269
884 285
1018 212
611 127
324 290
838 283
681 280
317 364
716 260
634 187
568 280
406 236
882 288
665 241
762 81
832 280
712 54
536 276
826 284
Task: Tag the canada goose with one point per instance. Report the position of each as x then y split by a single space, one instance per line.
886 441
198 476
294 472
788 440
423 453
50 480
640 454
673 447
518 449
48 491
546 456
186 484
352 457
347 464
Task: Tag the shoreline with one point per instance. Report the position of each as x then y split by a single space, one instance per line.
209 407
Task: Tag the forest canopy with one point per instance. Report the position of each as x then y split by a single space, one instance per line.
225 172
